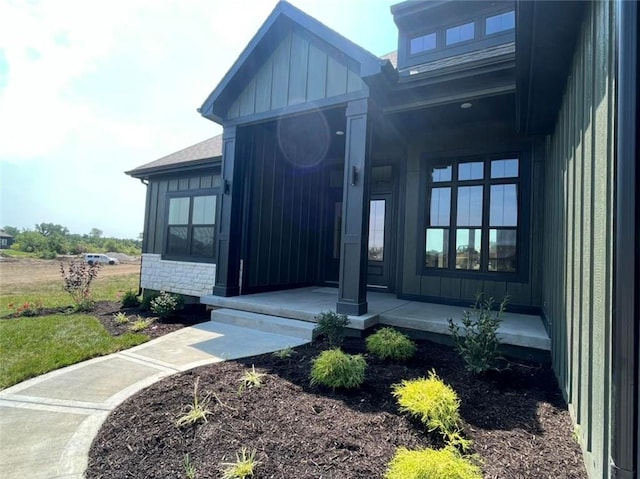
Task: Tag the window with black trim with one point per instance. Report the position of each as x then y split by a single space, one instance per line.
473 215
191 225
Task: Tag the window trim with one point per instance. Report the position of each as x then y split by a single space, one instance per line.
523 238
190 194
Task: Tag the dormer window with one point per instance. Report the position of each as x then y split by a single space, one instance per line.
500 23
423 43
460 33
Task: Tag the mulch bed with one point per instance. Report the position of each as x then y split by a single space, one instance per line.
517 420
105 311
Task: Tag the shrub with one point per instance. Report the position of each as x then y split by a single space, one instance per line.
121 318
140 324
243 467
198 410
147 298
336 369
387 343
333 326
434 403
48 255
167 304
27 309
77 281
285 353
478 344
445 463
251 379
130 299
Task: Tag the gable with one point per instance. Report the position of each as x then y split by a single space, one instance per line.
296 72
293 63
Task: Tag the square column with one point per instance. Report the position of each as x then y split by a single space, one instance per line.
228 233
352 291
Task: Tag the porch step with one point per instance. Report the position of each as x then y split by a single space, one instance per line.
266 323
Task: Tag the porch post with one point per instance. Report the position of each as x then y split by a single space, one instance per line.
352 291
228 227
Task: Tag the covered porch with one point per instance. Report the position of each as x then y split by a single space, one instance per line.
522 331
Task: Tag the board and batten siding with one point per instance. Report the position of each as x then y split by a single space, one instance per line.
284 217
475 139
578 235
297 72
156 218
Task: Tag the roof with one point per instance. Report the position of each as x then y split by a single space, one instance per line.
283 17
4 234
203 152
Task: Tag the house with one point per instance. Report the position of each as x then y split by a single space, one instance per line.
6 240
494 151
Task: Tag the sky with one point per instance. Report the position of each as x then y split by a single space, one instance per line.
90 89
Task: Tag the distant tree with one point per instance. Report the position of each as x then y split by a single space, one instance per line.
30 241
95 233
48 229
12 230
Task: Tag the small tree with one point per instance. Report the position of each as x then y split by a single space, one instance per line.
77 281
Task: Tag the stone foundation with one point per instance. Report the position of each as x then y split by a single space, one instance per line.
180 277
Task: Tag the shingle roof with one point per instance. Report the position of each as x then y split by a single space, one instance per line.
4 234
198 153
392 57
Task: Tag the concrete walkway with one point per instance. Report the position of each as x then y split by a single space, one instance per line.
47 423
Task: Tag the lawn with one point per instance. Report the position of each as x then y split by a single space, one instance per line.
33 346
49 294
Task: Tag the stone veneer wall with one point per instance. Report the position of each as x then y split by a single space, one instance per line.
181 277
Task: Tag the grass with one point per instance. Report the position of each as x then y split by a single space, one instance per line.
33 346
51 295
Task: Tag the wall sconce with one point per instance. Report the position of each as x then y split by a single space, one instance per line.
354 175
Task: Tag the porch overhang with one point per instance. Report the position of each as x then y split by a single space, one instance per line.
546 35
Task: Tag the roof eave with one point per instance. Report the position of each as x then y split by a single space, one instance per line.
145 173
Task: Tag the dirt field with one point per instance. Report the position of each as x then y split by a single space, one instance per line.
26 270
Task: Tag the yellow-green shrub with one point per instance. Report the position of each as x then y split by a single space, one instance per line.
445 463
435 403
387 343
336 369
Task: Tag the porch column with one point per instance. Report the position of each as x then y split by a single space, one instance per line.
352 291
229 222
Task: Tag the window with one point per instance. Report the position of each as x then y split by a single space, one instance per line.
500 23
472 218
191 227
460 33
422 43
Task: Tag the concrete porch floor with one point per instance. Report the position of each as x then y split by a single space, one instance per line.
521 330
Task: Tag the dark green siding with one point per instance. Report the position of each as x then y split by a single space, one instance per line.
297 72
473 139
284 205
156 220
578 226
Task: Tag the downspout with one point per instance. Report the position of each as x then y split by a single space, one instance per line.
145 182
626 280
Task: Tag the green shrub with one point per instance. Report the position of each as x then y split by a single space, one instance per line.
140 324
130 299
336 369
285 353
147 298
333 326
387 343
48 255
251 379
198 410
121 318
243 467
478 344
445 463
167 304
434 403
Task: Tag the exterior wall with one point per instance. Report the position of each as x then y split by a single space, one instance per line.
578 226
156 211
283 236
474 139
298 71
191 279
